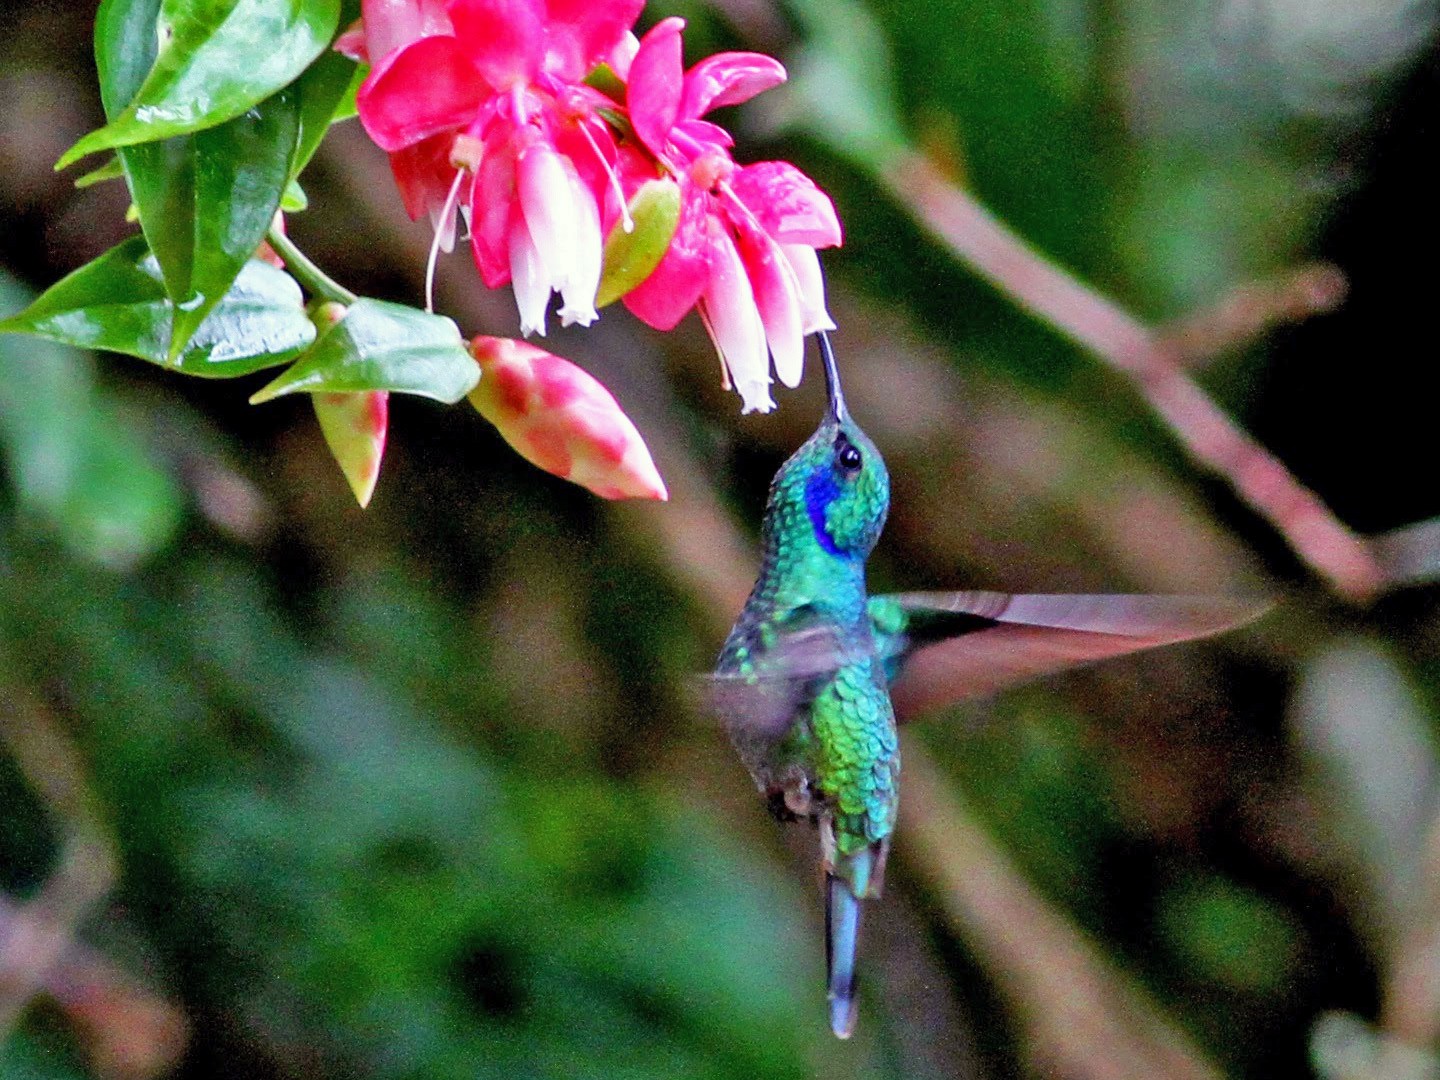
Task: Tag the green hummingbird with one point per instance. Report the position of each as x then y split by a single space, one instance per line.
815 673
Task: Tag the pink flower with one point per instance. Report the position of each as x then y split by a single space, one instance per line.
493 89
744 251
423 172
560 418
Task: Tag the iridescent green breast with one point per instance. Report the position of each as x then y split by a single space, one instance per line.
858 755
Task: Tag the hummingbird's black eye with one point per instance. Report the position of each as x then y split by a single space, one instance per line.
849 456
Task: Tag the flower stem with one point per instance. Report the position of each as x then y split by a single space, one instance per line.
306 272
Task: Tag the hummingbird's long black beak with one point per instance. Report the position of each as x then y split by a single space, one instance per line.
838 412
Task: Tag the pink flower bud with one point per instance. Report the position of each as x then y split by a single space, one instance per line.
354 426
561 419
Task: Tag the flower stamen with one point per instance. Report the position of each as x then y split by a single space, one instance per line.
447 213
613 178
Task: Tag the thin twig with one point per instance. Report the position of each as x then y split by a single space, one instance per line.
1113 335
1247 312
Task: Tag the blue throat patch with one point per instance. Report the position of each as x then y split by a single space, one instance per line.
820 491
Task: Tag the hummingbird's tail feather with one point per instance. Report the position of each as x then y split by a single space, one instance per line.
848 882
842 935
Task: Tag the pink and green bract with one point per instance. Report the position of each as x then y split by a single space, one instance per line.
493 93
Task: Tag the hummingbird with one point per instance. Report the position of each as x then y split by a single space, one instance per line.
816 674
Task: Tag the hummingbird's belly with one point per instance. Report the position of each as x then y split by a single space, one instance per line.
858 755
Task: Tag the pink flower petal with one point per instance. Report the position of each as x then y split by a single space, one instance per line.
573 144
492 208
703 131
419 91
389 24
623 54
423 174
560 418
634 167
734 324
656 81
548 205
787 204
504 39
728 79
351 42
580 33
806 264
532 284
777 297
672 288
580 285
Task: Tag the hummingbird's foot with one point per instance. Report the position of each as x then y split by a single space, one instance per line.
776 803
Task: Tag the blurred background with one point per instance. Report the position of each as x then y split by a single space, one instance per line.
288 789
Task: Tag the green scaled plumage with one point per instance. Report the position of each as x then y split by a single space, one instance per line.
829 751
814 673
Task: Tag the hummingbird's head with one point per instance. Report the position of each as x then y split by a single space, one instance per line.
836 483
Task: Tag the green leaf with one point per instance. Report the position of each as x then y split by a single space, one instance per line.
604 79
349 106
327 94
213 61
111 170
204 200
383 346
118 303
126 43
294 200
631 257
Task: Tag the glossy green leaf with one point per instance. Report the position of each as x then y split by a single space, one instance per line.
631 257
349 106
204 200
604 79
327 94
294 200
383 346
215 59
126 44
118 303
111 170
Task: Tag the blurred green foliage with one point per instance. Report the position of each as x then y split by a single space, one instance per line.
413 793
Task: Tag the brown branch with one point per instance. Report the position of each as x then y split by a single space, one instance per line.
1113 335
1084 1020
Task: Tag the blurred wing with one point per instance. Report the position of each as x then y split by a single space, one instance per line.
943 647
763 702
